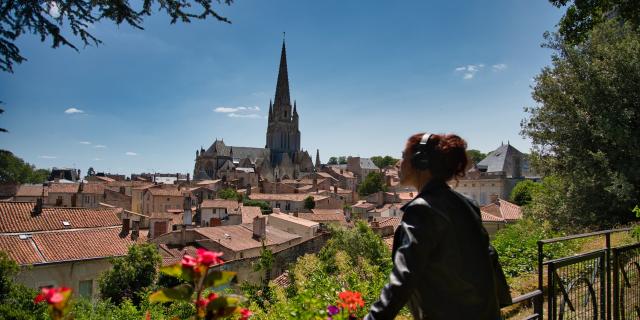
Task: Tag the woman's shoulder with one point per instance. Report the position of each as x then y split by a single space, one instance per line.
419 209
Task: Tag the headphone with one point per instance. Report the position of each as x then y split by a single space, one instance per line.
420 158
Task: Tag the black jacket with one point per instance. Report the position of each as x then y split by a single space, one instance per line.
443 265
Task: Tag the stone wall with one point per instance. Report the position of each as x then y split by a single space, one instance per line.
117 199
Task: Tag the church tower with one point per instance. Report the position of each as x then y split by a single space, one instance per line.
283 134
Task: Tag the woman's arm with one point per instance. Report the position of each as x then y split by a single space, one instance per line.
408 263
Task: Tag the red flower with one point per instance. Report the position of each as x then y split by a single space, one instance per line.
188 261
51 295
245 314
351 300
209 258
203 302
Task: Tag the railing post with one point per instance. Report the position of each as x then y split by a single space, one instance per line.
616 289
551 291
608 270
539 302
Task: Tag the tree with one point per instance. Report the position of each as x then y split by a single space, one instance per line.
228 194
523 191
385 161
264 206
16 300
309 203
131 274
342 160
333 160
582 16
47 19
584 129
15 170
373 183
91 172
476 155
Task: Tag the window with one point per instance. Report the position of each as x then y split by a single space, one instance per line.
278 205
86 288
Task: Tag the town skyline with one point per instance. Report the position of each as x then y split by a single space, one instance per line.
345 108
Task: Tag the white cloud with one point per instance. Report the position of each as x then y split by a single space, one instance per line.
236 109
73 110
469 71
100 146
85 142
54 10
237 115
129 153
499 67
47 157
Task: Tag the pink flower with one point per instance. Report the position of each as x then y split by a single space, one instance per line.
245 314
209 258
203 302
51 295
188 261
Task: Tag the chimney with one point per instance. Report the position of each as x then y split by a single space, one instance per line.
135 230
37 209
125 225
80 187
494 199
186 217
411 194
295 213
375 224
249 189
188 178
183 235
122 190
260 228
335 188
341 171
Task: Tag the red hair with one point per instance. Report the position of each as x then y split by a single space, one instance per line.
448 158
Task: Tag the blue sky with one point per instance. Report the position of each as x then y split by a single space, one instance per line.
365 76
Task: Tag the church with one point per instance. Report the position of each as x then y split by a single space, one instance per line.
281 158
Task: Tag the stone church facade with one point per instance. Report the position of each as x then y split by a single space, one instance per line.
281 158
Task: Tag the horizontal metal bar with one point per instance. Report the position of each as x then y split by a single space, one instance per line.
561 262
583 235
526 296
627 247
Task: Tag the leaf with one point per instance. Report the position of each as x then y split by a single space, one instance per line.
218 278
180 292
178 271
225 305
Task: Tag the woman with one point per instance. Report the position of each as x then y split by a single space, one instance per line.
443 265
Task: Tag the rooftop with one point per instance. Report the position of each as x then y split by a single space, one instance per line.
503 209
240 237
32 190
18 217
285 196
292 219
230 205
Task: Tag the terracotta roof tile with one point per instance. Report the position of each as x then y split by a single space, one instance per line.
84 244
31 190
230 205
285 196
17 217
64 187
293 219
503 209
240 237
93 188
165 191
69 245
389 221
486 217
282 280
249 213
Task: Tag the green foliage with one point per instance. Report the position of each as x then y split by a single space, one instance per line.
476 155
16 300
342 160
76 16
518 250
229 194
131 274
382 162
309 203
316 280
582 16
373 183
523 192
264 206
333 160
584 128
15 170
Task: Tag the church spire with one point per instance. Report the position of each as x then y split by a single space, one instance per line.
282 87
318 158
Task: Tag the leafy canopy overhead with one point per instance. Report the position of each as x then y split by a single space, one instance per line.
46 19
584 128
15 170
583 15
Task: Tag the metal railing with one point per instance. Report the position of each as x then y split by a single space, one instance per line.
581 286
